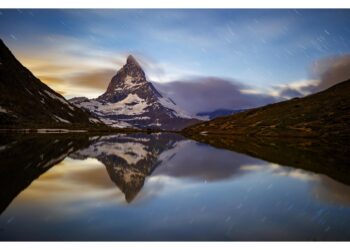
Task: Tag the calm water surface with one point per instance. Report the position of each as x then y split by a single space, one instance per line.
160 187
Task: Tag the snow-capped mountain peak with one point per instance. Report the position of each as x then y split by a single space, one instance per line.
132 101
129 77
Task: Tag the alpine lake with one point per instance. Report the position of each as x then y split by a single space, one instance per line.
168 187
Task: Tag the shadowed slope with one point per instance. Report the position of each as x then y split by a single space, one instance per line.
325 114
26 102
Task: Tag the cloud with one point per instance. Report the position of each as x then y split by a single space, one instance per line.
97 79
326 73
294 89
211 93
70 66
290 93
331 70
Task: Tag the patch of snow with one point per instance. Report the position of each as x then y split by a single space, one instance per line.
115 123
61 119
6 146
58 159
131 82
157 123
91 105
138 118
130 105
136 139
28 91
93 138
52 95
94 120
8 112
3 110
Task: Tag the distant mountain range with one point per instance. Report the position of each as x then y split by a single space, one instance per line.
26 102
132 101
324 114
218 113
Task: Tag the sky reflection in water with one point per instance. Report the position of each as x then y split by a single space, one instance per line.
166 187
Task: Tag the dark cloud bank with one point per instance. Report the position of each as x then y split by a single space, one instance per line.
211 93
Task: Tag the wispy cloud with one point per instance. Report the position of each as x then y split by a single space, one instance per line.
76 51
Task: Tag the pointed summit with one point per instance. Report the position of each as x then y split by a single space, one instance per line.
132 67
132 101
132 60
129 77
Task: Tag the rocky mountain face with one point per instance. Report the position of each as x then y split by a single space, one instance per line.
325 114
26 102
130 159
132 101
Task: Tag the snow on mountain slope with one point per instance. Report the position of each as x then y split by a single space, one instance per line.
132 101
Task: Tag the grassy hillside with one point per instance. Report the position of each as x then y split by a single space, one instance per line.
325 114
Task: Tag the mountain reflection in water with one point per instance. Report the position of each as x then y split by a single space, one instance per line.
167 187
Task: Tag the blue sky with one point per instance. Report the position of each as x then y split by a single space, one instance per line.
260 48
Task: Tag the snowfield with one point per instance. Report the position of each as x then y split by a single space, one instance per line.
131 105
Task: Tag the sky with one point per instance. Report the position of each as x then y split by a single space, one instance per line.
204 59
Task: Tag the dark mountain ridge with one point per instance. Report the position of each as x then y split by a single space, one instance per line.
324 114
26 102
